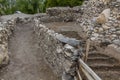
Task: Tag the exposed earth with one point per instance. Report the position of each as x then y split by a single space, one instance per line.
26 62
97 21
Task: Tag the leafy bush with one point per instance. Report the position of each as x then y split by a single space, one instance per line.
28 6
25 6
71 3
33 6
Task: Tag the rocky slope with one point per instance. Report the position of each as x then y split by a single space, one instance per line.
101 20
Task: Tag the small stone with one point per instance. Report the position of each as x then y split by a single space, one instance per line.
116 5
67 76
106 12
95 30
105 27
116 25
68 54
100 36
113 45
69 47
101 30
117 42
106 1
95 35
93 38
112 29
114 35
59 50
118 32
103 17
68 50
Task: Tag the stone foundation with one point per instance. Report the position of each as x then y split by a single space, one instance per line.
6 29
56 53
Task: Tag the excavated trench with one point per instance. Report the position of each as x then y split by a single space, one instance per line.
31 52
26 60
107 67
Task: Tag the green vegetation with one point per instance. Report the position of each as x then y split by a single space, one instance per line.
33 6
28 6
71 3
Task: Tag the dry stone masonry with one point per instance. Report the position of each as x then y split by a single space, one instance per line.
56 48
101 21
6 29
60 14
58 51
7 26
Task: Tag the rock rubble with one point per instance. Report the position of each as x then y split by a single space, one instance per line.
101 20
58 51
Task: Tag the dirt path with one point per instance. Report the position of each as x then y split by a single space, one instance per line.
26 61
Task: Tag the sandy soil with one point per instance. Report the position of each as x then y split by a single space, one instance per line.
26 62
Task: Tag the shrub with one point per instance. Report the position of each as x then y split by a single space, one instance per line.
71 3
33 6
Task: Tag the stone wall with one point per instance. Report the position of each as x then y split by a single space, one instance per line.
55 53
60 56
60 14
99 28
7 25
6 29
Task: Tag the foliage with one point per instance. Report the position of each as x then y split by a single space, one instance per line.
28 6
33 6
51 3
71 3
3 6
25 6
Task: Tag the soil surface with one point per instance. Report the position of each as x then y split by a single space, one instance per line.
108 68
69 29
26 61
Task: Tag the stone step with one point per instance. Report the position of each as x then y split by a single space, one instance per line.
97 55
105 67
108 75
103 60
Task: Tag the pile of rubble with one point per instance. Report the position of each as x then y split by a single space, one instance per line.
101 20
